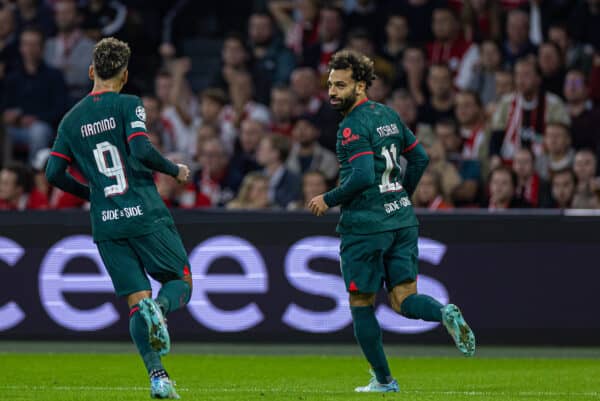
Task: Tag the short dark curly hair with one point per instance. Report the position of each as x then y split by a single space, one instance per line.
110 56
361 66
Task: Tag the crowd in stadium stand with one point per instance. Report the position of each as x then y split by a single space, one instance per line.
502 94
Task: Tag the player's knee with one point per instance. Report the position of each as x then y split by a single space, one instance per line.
399 293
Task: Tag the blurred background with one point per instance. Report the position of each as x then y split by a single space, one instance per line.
503 95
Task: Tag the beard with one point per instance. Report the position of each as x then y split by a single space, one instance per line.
343 104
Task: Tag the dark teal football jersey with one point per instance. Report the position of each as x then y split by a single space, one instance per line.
95 135
373 128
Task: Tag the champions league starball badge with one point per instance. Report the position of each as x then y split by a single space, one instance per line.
140 113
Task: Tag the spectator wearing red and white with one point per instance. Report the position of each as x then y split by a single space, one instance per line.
588 185
212 105
521 118
563 183
480 20
448 46
15 184
472 125
305 85
242 104
502 185
216 180
482 77
70 50
396 39
552 67
299 22
331 30
181 111
428 194
306 154
244 156
558 153
441 102
585 117
530 187
45 196
156 124
517 44
283 109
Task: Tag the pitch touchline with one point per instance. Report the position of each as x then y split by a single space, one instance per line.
256 390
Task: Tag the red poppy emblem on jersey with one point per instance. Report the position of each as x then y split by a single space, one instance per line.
346 132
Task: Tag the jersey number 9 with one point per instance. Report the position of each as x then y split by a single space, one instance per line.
116 171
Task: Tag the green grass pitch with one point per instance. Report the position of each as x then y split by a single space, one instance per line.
69 372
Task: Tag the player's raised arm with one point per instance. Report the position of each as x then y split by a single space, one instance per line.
417 159
56 170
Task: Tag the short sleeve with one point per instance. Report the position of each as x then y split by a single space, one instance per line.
61 147
134 117
355 141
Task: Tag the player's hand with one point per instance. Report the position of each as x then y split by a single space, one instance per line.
184 173
317 205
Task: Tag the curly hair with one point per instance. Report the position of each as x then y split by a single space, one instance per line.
361 65
110 56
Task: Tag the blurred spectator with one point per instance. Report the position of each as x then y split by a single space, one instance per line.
575 54
563 189
441 102
418 13
244 157
414 73
306 153
313 183
70 51
517 44
103 18
212 105
34 13
156 124
584 22
428 194
163 84
361 41
379 91
552 68
242 104
404 104
181 109
234 57
481 20
283 108
396 39
284 185
471 120
585 118
530 188
468 167
45 196
542 14
331 29
273 62
502 184
504 85
15 184
254 193
204 133
448 47
299 21
9 48
558 153
306 88
450 179
216 180
365 14
588 185
34 96
520 118
482 78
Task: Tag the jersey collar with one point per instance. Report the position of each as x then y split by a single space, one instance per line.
365 100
